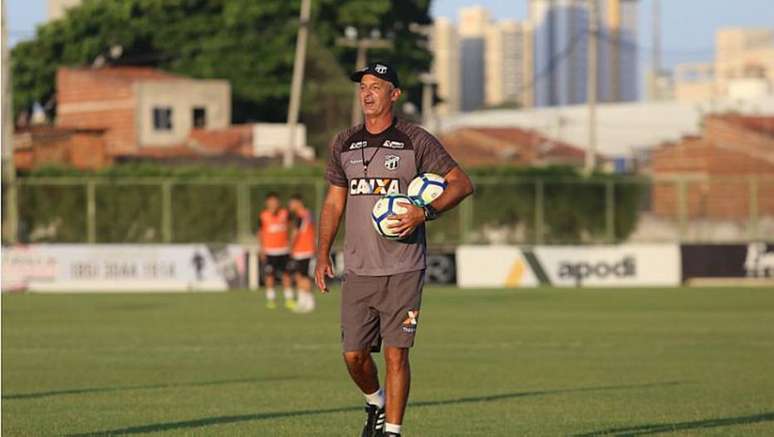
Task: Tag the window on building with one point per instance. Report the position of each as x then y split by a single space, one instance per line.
199 117
162 118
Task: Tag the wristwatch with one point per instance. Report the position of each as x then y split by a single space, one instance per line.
430 213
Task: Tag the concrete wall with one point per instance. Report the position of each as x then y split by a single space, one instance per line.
182 96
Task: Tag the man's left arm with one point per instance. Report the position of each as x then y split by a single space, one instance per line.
458 187
432 157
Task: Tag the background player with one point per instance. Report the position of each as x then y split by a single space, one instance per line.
274 249
382 287
301 252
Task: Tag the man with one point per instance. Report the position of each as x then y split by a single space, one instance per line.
302 242
273 238
382 286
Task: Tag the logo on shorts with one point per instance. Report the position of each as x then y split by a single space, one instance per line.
391 162
410 324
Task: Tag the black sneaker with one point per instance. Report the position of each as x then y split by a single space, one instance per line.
391 434
374 426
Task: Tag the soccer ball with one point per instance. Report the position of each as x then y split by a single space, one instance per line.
385 207
426 187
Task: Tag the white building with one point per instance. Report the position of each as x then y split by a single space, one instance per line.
507 67
623 129
446 65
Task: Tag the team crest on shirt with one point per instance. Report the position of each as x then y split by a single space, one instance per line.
409 325
373 186
391 162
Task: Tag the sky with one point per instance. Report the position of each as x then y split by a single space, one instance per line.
688 26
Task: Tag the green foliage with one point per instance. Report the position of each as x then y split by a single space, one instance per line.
151 169
250 43
204 206
574 206
53 213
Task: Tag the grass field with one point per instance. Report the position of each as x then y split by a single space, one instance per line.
487 363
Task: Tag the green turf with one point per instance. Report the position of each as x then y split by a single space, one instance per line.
487 363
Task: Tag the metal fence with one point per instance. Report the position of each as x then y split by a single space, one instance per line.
513 211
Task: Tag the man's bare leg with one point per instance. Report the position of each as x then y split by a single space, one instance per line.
363 370
397 383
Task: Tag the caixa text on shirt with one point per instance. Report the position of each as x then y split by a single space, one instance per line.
373 186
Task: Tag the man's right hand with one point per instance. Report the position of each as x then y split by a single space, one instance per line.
322 270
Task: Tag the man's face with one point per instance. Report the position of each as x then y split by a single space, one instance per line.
272 203
294 205
377 96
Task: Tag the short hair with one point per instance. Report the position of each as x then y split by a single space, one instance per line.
271 194
297 196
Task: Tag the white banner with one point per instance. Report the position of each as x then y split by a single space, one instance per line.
599 266
122 267
493 266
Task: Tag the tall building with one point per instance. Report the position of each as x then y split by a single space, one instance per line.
482 63
507 63
473 22
57 8
744 58
743 68
561 50
446 65
619 47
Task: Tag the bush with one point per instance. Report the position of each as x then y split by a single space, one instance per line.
205 204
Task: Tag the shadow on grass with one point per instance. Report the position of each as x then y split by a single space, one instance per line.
77 391
222 420
656 428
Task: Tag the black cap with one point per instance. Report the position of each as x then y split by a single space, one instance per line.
379 69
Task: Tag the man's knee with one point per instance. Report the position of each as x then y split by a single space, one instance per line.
396 358
356 358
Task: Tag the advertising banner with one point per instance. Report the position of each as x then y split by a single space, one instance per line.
123 267
493 266
753 260
632 265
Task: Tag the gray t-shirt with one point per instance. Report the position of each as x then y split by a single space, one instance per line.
393 158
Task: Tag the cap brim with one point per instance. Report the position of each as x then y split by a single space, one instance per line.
358 76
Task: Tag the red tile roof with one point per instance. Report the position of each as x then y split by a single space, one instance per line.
500 145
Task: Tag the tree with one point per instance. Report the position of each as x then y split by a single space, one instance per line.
250 43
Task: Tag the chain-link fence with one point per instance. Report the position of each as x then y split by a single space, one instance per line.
504 210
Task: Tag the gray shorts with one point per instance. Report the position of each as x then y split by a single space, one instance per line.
380 308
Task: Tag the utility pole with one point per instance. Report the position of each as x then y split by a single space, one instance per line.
614 47
362 45
656 45
298 81
591 86
11 225
428 112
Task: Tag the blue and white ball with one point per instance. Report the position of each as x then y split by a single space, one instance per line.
426 187
386 206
